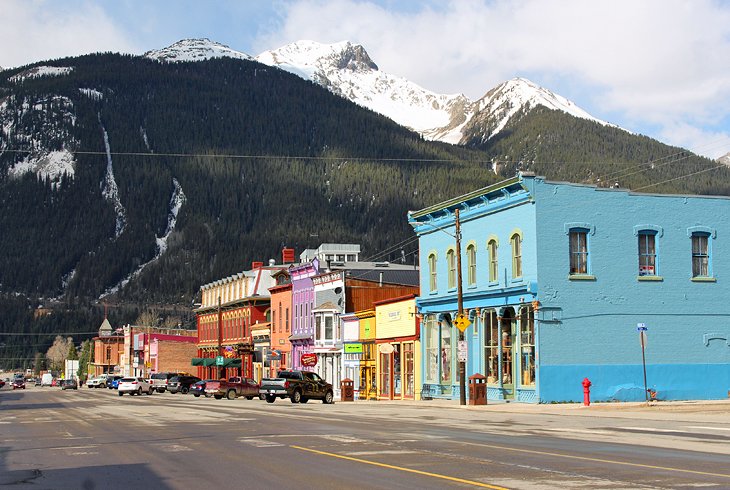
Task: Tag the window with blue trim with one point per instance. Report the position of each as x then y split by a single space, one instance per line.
516 241
432 272
647 253
578 249
471 260
451 265
701 254
493 264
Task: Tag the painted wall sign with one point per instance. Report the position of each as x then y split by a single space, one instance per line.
353 348
308 359
386 348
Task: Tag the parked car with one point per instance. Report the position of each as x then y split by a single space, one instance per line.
18 384
47 379
199 387
159 380
2 383
298 386
134 386
181 384
98 381
235 387
113 381
69 384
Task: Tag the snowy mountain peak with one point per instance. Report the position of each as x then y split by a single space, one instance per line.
195 50
311 55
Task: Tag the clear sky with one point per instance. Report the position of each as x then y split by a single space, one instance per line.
655 67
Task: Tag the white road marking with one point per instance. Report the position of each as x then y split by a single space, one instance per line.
72 447
576 431
375 453
652 429
260 443
707 428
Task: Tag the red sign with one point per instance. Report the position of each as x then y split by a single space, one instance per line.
309 360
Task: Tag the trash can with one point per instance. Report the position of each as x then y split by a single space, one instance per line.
347 390
477 390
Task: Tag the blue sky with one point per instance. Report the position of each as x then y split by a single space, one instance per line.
655 67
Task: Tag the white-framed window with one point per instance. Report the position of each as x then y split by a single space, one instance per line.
647 253
516 242
432 272
493 262
471 260
438 351
578 248
701 254
451 266
527 346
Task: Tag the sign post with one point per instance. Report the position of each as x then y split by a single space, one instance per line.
642 338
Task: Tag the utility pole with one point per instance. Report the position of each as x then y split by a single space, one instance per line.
460 305
220 338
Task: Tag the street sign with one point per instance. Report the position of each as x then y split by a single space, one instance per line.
461 351
220 360
462 322
641 327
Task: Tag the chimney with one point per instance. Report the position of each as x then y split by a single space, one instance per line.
256 265
287 256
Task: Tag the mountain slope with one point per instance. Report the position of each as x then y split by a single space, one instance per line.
262 157
347 70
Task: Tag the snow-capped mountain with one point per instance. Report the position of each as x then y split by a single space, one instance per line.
725 159
346 69
195 50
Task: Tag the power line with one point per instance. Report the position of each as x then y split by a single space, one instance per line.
680 177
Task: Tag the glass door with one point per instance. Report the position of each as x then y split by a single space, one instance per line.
507 361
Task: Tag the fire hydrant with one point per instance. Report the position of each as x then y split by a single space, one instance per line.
586 392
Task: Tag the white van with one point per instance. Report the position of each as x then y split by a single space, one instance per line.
47 379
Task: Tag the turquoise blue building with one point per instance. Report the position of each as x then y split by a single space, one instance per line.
557 280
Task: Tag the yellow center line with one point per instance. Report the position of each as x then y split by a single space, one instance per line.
400 468
596 460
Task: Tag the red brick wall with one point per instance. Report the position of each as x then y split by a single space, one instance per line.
175 356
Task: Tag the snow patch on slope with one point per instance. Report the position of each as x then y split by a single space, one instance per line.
52 165
176 202
41 71
110 191
91 93
194 50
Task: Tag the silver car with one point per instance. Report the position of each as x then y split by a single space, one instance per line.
134 386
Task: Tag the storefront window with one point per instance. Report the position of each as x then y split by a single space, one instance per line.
385 375
408 370
432 352
491 346
527 343
445 353
396 371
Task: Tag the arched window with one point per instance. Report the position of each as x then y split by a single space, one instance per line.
493 263
432 272
451 265
471 259
516 242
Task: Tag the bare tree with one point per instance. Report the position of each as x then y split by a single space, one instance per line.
148 318
57 353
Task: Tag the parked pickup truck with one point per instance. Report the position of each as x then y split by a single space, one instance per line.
235 387
298 386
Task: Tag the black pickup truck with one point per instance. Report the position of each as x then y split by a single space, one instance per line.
298 386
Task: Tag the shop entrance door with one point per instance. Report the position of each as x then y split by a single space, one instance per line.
508 359
367 383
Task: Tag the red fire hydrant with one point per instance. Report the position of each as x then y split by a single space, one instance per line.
586 392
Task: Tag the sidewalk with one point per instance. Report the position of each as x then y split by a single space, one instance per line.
709 411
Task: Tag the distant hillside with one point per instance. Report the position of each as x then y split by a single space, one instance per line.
152 178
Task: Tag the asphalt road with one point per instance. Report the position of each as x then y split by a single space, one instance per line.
93 439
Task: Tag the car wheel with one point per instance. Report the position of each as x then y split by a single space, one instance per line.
303 400
196 395
262 397
231 395
102 385
183 391
161 391
217 397
139 391
249 398
270 399
150 391
296 397
120 393
328 398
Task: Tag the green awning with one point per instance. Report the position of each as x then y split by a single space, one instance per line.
210 361
203 361
231 363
